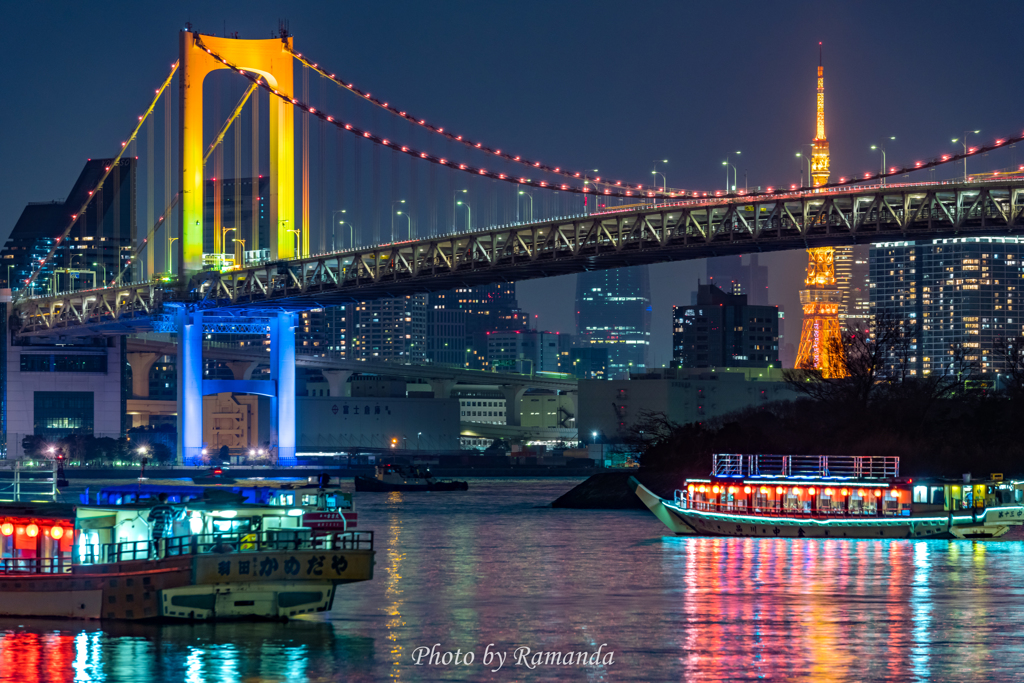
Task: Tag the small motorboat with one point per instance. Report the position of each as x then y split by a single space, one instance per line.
398 478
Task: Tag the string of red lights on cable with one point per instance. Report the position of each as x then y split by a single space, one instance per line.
92 193
464 140
616 189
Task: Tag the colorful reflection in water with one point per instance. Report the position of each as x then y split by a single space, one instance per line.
492 565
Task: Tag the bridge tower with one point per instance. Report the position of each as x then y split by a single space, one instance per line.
820 340
272 59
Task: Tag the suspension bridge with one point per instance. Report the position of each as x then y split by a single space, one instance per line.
381 169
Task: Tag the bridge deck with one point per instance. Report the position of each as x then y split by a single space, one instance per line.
682 230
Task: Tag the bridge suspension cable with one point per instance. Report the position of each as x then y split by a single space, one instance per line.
462 139
620 191
81 212
148 242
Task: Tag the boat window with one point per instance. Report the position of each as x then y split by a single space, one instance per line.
920 494
938 495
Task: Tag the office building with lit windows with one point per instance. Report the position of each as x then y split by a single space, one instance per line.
458 321
962 295
393 330
613 312
851 264
722 330
98 247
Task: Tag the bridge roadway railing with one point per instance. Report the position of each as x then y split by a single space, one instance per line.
682 230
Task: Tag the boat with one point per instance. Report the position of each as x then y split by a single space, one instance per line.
793 496
223 560
398 478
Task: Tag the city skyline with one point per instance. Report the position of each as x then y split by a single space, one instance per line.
695 146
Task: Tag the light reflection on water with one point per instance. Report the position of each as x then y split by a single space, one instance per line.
465 569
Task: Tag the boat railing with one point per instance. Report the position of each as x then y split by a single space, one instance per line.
208 544
772 465
768 511
61 564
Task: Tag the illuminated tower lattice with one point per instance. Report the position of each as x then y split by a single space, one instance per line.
820 342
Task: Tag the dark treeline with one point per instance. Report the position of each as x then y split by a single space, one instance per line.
939 425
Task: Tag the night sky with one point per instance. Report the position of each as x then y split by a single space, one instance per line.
604 85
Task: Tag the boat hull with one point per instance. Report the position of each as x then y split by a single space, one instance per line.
256 585
686 521
374 485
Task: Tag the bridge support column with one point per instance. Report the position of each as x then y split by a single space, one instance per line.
242 369
282 372
336 380
442 388
141 364
513 394
190 386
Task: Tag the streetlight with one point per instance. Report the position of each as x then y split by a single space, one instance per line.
530 197
881 147
334 245
397 201
104 272
963 141
223 239
418 435
808 160
169 251
727 163
469 214
296 232
656 173
408 217
454 210
585 181
240 253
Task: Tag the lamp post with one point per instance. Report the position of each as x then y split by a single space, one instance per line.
334 214
963 141
9 276
170 243
223 239
469 214
407 217
656 173
530 197
727 163
727 167
239 253
397 201
881 147
418 435
296 231
95 264
586 207
454 209
808 160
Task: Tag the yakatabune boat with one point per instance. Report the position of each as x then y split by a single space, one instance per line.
221 561
796 496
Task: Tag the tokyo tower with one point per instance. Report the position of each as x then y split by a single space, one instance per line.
820 342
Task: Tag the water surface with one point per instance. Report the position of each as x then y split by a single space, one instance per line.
490 566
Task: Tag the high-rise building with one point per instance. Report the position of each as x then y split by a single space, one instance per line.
820 337
234 234
613 311
526 351
589 363
852 280
722 330
392 330
477 310
962 294
98 248
733 277
325 332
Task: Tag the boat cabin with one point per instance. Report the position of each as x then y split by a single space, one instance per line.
824 486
